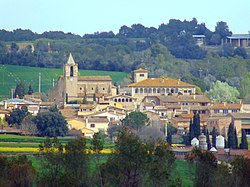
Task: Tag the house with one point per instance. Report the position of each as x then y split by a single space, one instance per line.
200 39
239 40
241 121
12 104
71 86
96 123
220 122
127 101
144 86
226 108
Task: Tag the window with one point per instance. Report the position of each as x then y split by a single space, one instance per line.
92 125
234 110
225 111
141 75
103 89
216 111
80 88
71 71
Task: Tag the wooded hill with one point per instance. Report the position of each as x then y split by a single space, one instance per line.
169 50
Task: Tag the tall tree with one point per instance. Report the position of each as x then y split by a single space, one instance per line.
231 137
222 29
196 124
30 91
76 163
52 172
20 90
244 143
214 137
208 140
191 131
236 138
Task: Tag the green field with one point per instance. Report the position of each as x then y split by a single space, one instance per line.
10 75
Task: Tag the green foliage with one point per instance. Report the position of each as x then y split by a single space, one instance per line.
196 124
76 163
30 91
205 166
244 143
208 140
214 137
16 116
135 120
20 90
171 130
16 171
240 171
51 124
232 138
222 92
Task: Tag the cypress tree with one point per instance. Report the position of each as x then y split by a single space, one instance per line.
208 140
236 139
244 143
214 137
191 131
196 124
231 137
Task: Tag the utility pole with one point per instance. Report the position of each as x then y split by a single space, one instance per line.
39 82
53 83
200 70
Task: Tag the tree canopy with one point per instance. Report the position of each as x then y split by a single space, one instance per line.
51 124
135 120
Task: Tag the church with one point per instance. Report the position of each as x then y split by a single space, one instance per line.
72 87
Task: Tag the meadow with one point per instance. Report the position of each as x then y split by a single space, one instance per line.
11 74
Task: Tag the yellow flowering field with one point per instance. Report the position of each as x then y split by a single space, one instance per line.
36 150
19 149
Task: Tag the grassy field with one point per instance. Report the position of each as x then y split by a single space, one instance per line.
10 75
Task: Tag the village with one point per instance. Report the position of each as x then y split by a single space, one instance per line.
91 104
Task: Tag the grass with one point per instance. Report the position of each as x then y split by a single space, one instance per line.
185 171
10 75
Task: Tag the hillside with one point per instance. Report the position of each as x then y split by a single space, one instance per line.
10 75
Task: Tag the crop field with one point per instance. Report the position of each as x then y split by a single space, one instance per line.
10 75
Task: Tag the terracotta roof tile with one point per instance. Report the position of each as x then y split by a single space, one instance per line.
226 106
161 82
94 78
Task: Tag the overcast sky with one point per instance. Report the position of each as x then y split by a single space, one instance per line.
89 16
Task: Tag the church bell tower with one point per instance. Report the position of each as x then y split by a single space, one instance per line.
70 78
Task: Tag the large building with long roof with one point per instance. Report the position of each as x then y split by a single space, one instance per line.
144 86
71 86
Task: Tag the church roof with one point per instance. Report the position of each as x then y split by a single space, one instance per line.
71 60
160 82
94 78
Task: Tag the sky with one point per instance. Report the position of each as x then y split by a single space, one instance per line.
89 16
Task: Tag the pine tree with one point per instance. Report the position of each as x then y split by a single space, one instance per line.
214 137
244 143
208 140
231 137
